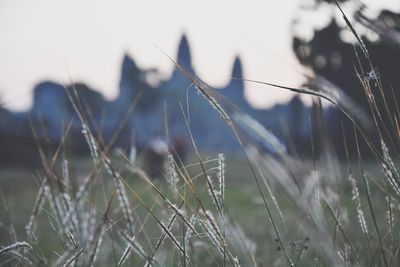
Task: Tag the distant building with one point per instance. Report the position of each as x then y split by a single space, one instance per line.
146 110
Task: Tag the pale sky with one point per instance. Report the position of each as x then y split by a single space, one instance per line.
46 39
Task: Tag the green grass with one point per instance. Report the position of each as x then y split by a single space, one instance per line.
243 204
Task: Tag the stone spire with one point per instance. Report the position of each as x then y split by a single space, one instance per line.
237 73
130 77
237 70
234 90
129 66
184 57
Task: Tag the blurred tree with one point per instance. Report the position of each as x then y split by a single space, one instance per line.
330 53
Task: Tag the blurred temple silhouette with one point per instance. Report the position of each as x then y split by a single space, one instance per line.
149 108
137 116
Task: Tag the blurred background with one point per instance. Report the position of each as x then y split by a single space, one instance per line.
112 53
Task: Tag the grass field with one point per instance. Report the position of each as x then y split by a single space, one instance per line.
243 206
